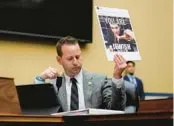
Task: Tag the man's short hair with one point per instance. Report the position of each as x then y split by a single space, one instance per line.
130 62
69 40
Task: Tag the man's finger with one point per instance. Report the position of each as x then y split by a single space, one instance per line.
122 59
117 62
51 74
53 70
117 59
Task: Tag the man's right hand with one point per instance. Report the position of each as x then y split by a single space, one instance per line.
49 73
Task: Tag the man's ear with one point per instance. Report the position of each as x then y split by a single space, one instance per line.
59 60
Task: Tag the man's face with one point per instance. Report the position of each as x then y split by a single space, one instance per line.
115 29
71 59
130 68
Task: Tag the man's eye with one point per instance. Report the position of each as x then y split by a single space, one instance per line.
70 59
77 57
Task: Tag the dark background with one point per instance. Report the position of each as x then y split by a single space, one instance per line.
47 19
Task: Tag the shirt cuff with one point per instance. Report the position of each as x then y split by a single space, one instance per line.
119 82
38 80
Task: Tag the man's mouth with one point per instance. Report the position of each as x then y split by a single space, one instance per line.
76 68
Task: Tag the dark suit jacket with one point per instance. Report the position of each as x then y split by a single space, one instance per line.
140 89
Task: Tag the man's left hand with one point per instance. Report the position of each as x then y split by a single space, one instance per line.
120 65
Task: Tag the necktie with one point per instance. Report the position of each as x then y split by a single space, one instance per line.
74 105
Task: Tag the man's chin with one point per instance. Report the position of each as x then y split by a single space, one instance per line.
75 72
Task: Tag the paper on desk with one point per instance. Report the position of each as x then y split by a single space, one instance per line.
89 111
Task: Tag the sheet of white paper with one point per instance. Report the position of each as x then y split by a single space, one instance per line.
117 33
89 111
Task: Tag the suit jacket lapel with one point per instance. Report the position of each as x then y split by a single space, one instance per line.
62 95
87 88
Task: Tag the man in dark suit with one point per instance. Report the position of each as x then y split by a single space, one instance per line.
130 70
81 89
134 88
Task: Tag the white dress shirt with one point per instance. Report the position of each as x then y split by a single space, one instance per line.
132 79
79 78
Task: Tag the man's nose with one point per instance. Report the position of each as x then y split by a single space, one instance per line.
75 62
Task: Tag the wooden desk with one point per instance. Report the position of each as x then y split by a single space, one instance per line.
9 102
156 105
151 113
149 119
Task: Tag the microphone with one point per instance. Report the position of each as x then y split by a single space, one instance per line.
58 85
58 82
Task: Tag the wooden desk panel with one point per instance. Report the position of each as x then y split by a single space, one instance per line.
88 118
156 105
30 118
9 102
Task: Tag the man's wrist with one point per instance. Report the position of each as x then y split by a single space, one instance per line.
40 78
119 82
117 77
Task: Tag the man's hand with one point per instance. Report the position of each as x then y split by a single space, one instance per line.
120 65
128 35
50 73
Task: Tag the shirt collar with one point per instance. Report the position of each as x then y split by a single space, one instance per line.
78 77
130 75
